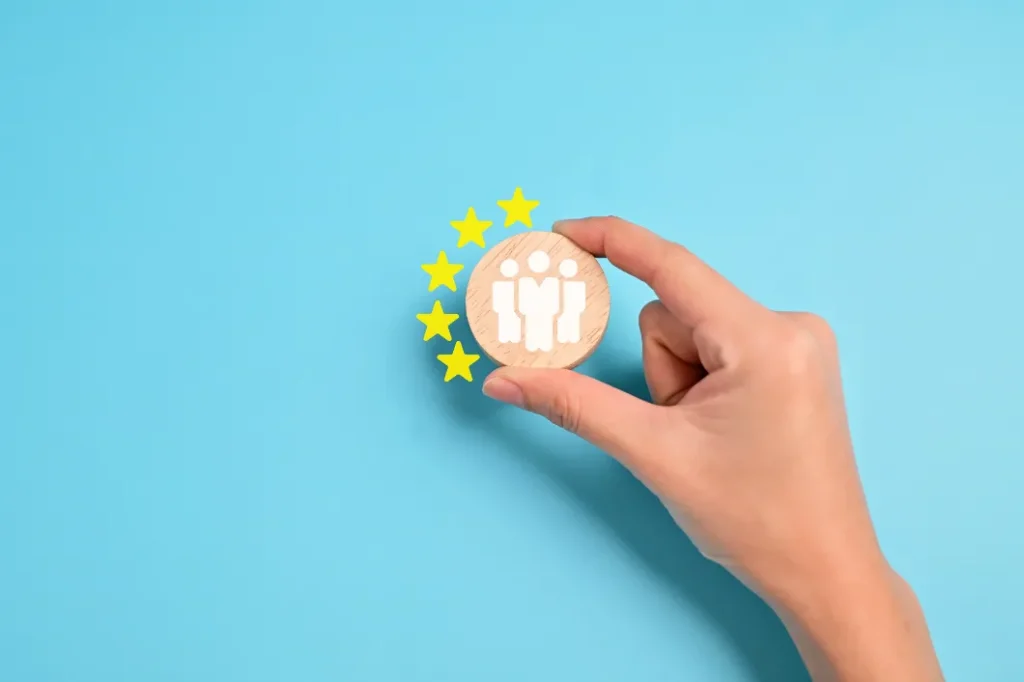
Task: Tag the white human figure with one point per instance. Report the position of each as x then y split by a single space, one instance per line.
538 304
503 302
574 302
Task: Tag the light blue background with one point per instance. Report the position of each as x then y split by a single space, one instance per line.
225 453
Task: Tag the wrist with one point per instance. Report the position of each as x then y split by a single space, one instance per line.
843 604
841 596
861 624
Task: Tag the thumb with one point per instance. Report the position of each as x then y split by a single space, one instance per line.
613 420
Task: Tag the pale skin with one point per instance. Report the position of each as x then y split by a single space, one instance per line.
746 443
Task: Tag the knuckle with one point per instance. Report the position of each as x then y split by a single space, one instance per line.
800 351
648 316
564 411
667 267
616 229
819 327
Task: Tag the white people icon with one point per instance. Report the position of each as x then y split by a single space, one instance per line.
538 312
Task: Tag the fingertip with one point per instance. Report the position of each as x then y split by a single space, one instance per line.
565 226
583 232
505 373
498 387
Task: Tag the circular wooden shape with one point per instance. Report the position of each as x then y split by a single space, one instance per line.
553 297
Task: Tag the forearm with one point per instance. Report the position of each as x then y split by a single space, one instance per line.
862 630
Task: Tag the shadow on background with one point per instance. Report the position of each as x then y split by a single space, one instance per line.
627 509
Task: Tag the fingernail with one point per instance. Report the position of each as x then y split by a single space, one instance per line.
504 391
560 225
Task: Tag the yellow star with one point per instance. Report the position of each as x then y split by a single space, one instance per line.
518 209
458 363
441 272
438 322
471 229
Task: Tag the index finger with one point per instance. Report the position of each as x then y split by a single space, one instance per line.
691 289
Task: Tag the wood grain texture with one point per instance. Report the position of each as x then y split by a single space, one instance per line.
483 320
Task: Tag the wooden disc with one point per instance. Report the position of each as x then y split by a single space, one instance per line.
553 296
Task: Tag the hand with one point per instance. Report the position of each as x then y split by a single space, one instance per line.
747 446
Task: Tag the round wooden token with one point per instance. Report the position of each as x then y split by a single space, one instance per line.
538 300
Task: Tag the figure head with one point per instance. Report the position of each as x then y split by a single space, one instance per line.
538 261
568 268
509 268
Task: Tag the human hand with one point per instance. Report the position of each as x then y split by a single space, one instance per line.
747 446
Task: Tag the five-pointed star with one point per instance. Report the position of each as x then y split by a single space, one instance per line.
438 322
471 229
458 363
442 272
518 209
